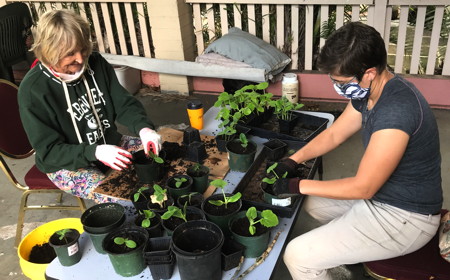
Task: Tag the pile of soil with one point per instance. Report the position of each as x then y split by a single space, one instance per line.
42 253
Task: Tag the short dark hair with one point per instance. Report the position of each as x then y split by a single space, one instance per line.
351 50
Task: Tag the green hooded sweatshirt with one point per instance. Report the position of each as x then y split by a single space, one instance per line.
66 138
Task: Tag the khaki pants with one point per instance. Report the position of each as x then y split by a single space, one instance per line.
355 231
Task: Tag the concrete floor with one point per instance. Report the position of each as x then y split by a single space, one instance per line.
169 109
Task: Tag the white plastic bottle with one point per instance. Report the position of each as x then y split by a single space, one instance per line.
289 87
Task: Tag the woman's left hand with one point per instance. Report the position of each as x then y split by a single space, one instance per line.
151 140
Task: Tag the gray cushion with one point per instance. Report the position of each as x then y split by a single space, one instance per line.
243 46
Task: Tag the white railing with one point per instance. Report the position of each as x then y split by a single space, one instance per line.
294 27
123 26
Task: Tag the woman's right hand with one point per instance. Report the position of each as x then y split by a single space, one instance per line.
113 156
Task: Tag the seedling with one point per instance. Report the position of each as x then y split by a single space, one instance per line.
268 219
189 196
62 233
244 140
179 181
159 196
155 158
272 180
148 214
219 183
139 192
175 212
283 108
125 241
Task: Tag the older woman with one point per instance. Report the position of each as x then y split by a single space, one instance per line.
69 104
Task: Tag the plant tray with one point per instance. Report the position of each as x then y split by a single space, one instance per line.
249 186
306 129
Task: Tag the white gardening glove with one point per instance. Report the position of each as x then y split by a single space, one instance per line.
113 156
150 140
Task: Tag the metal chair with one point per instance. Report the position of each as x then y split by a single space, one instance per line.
14 144
15 24
425 263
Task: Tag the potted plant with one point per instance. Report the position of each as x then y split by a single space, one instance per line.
178 185
193 199
241 153
66 246
200 176
125 247
148 168
175 216
220 208
151 221
283 110
197 245
267 184
159 200
141 197
251 228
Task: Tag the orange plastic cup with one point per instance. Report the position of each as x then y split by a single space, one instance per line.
195 113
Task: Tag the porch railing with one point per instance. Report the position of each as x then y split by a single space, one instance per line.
416 32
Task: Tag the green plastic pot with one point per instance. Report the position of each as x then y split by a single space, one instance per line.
67 249
200 183
129 263
254 245
240 161
221 220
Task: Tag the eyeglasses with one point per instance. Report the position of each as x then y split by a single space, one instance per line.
341 85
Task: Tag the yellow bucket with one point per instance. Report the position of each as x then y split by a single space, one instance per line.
39 236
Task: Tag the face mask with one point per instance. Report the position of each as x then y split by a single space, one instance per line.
352 90
71 77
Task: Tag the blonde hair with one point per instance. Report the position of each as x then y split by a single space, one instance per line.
58 33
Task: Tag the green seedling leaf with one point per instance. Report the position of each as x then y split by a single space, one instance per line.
179 181
268 218
234 198
219 183
269 181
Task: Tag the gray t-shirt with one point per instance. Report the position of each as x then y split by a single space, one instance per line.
415 185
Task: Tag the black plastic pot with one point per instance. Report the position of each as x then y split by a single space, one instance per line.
102 218
147 170
196 152
162 269
184 188
286 126
67 249
232 252
193 199
193 214
155 228
197 247
275 149
200 177
142 202
191 135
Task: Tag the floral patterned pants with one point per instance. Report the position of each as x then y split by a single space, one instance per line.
83 181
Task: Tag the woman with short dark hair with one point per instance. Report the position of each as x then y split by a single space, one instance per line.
391 206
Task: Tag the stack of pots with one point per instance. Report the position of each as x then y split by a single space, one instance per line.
101 219
159 257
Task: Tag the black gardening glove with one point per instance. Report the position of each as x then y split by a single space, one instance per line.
287 165
286 187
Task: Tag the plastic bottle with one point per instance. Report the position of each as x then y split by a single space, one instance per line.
289 87
195 112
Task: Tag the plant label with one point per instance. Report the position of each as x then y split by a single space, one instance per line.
281 202
72 250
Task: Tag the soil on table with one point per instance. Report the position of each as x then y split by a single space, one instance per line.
42 253
252 191
240 226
